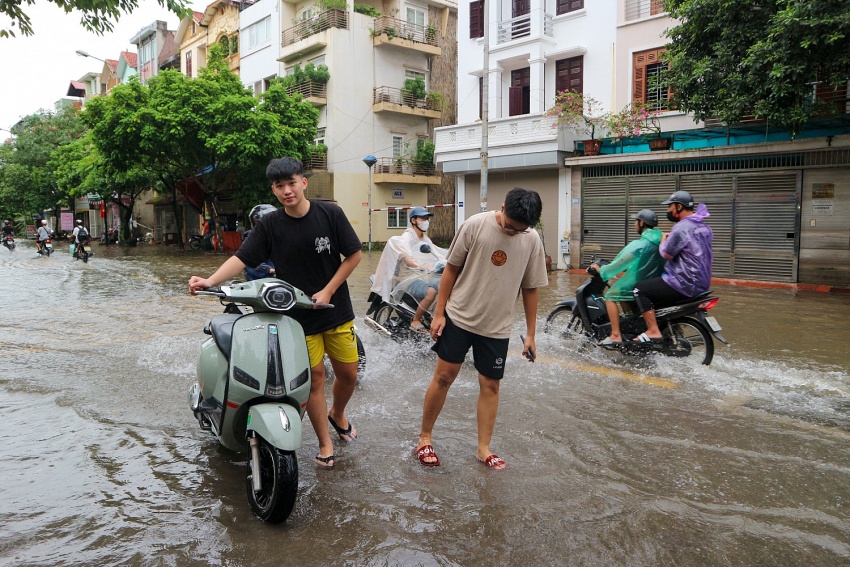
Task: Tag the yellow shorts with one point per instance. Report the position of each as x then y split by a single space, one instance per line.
339 343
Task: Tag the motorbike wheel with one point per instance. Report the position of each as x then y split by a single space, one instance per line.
389 318
194 244
85 256
690 339
564 323
279 474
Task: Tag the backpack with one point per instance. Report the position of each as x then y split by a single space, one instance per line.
83 234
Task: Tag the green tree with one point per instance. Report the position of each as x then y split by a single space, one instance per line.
27 169
734 58
210 128
96 15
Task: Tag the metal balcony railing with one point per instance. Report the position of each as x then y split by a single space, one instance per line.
393 27
316 161
318 23
404 97
309 89
521 27
637 9
404 166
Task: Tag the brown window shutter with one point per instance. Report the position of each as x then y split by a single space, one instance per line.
569 74
476 19
642 59
656 7
564 6
514 101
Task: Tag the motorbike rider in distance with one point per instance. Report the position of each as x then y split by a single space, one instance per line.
43 235
265 269
638 261
687 249
7 229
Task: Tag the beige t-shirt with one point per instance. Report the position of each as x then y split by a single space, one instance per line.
494 267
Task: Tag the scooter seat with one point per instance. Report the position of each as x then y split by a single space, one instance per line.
221 329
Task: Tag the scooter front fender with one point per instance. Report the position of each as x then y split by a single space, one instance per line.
277 423
571 303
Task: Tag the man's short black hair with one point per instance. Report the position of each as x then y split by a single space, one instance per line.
523 205
283 169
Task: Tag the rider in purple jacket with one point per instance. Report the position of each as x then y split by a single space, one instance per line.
687 249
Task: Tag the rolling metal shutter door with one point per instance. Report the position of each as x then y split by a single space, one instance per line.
603 212
766 220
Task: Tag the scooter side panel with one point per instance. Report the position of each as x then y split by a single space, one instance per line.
266 420
212 370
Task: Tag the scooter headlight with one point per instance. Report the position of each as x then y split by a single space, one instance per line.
278 296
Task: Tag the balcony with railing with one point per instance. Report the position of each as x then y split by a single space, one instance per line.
313 92
639 9
400 33
523 27
403 170
311 34
402 101
316 161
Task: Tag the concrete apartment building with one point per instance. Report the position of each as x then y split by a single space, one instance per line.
779 203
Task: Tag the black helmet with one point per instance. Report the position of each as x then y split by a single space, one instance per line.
259 212
648 217
682 197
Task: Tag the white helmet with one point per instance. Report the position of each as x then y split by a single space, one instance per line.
44 222
79 221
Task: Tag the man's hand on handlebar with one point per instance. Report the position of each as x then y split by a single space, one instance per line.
198 284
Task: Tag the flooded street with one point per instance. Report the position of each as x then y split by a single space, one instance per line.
611 461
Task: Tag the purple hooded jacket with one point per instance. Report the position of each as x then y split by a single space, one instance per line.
689 255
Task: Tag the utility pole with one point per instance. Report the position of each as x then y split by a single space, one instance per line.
485 95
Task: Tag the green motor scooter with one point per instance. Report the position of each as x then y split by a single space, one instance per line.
253 385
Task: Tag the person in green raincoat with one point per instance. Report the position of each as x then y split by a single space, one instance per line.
638 261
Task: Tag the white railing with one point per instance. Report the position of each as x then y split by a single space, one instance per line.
520 26
637 9
514 131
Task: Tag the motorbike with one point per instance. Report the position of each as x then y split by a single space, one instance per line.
109 237
686 328
83 251
253 385
196 241
392 317
46 249
9 242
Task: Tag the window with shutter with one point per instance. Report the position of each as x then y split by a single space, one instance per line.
565 6
476 19
647 66
519 93
569 74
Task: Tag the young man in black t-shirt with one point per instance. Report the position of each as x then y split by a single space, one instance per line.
314 247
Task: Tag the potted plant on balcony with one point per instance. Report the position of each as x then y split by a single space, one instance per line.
423 160
637 119
584 115
413 92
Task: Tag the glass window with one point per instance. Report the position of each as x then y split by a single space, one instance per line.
415 16
316 61
259 32
413 74
320 136
398 146
396 219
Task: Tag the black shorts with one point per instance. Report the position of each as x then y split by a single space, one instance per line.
655 292
488 354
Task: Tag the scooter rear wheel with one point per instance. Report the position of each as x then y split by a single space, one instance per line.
689 339
279 475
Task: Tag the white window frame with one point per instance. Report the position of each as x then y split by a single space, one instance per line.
418 13
321 133
413 73
397 218
316 61
259 32
398 146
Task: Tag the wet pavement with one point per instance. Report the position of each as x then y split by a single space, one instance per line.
612 461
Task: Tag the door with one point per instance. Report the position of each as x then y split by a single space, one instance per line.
519 93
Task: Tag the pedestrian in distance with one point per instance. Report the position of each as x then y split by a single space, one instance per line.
314 247
687 249
494 257
639 260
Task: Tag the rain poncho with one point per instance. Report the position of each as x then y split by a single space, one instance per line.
639 259
391 267
688 248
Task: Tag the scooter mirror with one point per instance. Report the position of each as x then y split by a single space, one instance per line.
425 248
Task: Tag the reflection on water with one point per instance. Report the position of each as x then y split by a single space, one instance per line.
611 461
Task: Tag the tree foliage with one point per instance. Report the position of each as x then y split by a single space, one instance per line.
96 15
734 58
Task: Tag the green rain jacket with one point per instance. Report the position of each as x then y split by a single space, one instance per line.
639 260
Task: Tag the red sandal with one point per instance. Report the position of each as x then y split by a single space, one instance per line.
494 462
424 452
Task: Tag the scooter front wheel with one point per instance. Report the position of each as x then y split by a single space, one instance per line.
279 479
564 323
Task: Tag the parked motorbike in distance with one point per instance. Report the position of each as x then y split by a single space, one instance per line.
109 237
392 318
9 242
253 385
686 329
46 249
196 241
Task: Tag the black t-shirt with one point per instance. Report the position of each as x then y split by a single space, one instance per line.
306 252
7 229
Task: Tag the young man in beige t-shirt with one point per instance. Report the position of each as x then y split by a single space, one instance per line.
494 256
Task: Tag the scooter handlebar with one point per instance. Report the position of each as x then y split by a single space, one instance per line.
214 291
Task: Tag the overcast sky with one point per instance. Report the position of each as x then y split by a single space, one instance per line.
37 70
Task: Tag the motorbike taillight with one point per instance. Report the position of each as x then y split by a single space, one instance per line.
708 304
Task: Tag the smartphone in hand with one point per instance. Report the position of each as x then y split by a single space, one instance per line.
530 352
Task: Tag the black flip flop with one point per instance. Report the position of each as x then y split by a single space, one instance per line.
340 431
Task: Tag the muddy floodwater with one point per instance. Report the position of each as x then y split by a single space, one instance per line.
611 460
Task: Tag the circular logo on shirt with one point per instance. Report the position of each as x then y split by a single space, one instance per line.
499 258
